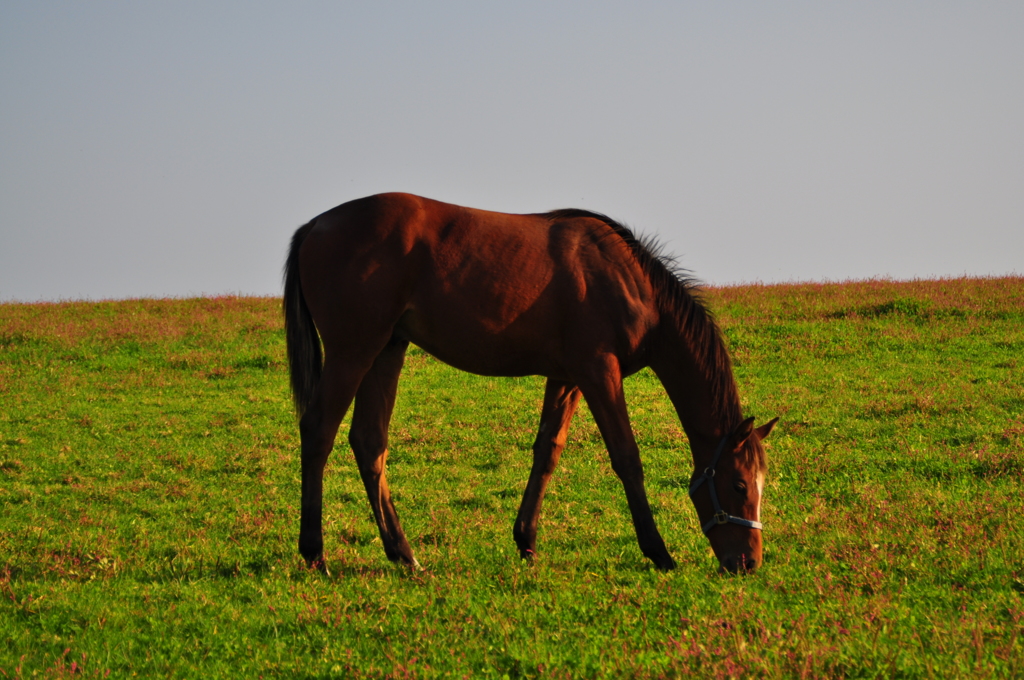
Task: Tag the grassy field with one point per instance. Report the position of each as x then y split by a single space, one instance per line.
149 488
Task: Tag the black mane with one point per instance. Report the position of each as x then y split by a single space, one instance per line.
679 297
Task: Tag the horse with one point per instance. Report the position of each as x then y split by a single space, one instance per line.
570 295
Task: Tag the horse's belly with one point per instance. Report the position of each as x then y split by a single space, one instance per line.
473 346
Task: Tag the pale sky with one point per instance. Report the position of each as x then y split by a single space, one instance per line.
171 149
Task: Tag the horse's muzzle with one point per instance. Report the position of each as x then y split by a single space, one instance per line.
739 564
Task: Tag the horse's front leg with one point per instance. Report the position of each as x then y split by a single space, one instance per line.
560 401
607 402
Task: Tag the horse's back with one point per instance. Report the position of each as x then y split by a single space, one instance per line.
489 292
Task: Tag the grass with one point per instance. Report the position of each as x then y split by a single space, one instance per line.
149 487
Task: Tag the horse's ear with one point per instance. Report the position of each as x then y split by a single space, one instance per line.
742 433
766 429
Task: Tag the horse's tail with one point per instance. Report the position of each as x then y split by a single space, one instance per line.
305 358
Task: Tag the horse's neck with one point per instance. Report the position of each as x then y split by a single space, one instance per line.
693 392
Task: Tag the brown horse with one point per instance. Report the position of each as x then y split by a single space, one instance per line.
570 295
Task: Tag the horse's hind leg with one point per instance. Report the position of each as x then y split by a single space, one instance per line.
318 428
560 401
368 436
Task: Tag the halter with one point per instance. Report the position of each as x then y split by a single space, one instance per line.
720 516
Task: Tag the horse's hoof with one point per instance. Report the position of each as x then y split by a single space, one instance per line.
320 565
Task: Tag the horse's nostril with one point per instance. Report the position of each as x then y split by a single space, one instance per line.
739 564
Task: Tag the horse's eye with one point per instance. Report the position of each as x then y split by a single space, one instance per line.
741 488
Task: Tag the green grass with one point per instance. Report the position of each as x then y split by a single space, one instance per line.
149 487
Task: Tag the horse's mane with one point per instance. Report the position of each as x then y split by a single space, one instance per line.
679 297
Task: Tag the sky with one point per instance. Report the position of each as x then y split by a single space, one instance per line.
171 149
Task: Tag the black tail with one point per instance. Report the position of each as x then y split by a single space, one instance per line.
305 358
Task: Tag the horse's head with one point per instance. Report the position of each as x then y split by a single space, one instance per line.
726 492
